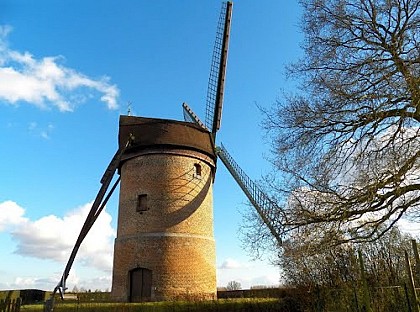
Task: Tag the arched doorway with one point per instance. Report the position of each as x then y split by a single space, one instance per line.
140 285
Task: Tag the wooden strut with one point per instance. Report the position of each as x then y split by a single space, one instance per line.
97 207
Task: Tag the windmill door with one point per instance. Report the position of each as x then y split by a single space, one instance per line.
140 285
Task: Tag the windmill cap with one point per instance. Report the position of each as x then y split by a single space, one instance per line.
165 135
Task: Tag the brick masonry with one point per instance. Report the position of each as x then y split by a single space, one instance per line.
174 237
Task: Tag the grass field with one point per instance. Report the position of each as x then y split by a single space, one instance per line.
243 305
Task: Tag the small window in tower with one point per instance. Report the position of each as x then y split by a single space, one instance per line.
197 171
142 203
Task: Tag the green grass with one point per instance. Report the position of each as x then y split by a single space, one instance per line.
243 305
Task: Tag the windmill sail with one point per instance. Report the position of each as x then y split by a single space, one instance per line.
215 89
190 116
267 209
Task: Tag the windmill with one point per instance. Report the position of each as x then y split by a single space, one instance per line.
269 212
164 248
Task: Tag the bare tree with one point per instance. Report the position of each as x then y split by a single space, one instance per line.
233 285
347 145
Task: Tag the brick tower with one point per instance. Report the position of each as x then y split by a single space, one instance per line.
165 249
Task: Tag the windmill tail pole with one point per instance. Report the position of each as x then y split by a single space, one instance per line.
97 207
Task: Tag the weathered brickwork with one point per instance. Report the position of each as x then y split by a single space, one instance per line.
173 237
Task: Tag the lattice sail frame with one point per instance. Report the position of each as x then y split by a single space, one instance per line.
271 214
215 91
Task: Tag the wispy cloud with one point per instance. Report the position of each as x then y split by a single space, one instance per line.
230 264
45 82
40 131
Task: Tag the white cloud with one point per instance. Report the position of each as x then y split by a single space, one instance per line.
266 280
46 283
229 264
255 273
45 83
409 226
52 237
101 283
25 282
11 215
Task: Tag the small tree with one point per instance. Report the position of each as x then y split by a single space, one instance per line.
338 266
233 285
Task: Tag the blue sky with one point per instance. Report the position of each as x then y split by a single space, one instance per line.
68 69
